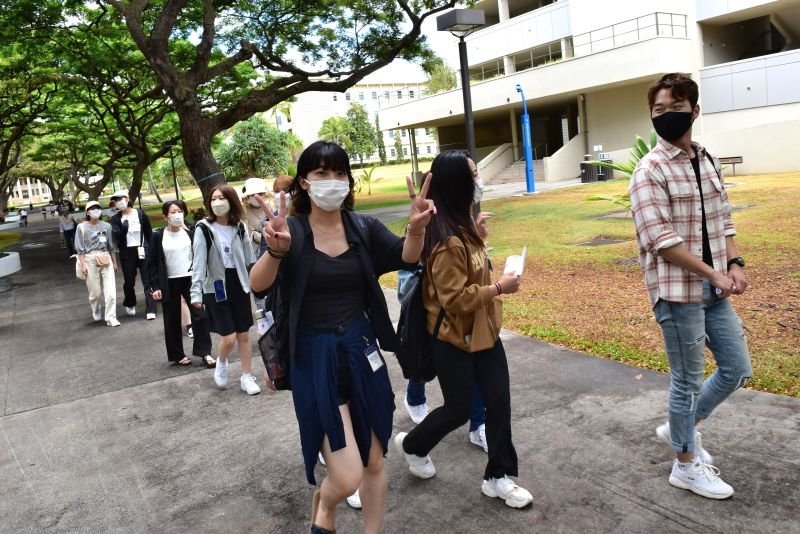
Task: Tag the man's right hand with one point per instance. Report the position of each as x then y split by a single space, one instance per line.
85 269
723 283
197 305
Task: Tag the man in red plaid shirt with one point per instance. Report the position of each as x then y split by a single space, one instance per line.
691 267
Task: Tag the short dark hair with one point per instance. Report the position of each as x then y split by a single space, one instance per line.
680 85
169 203
237 212
328 156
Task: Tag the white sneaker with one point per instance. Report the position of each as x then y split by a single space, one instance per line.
505 488
354 501
150 316
701 478
248 384
189 331
416 413
112 322
221 373
130 310
664 435
97 315
322 459
419 466
478 437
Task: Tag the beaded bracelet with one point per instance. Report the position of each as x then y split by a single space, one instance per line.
277 255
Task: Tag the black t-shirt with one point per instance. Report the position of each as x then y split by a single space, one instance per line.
336 291
707 259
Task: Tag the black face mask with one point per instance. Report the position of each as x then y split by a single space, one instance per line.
673 124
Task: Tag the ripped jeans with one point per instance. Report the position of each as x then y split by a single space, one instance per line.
687 329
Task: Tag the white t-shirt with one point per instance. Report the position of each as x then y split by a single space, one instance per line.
134 229
225 234
178 253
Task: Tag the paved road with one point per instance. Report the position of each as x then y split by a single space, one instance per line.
99 434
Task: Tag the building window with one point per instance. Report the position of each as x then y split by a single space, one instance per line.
278 120
403 133
335 97
392 152
405 151
347 96
429 149
386 96
361 96
410 93
374 95
399 95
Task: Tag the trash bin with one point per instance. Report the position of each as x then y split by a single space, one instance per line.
608 174
588 171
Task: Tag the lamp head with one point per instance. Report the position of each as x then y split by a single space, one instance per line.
519 88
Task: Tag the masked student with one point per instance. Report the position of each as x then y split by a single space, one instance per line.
132 232
467 350
220 285
329 260
95 247
169 280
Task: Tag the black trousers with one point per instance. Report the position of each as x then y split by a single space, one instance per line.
458 372
173 331
130 263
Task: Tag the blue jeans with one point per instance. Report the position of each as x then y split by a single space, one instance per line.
687 329
415 396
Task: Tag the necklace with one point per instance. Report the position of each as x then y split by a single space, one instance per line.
336 231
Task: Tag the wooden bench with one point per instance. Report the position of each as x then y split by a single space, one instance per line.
733 160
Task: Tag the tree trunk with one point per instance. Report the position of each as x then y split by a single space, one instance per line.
136 182
196 142
153 188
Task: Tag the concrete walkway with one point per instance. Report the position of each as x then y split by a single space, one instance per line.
99 434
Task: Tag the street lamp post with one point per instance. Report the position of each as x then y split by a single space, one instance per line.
461 23
174 176
527 146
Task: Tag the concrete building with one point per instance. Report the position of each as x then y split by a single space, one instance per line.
585 67
395 84
28 190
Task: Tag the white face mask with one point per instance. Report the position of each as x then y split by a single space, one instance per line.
176 219
253 202
477 194
329 195
95 214
122 203
220 207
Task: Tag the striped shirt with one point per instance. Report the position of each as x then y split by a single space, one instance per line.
667 210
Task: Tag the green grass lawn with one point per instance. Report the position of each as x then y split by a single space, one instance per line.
8 238
592 298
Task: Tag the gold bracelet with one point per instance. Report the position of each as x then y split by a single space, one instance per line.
409 234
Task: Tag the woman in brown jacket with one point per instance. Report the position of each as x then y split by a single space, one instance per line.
468 349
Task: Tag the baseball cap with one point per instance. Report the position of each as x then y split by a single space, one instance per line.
254 185
93 204
119 194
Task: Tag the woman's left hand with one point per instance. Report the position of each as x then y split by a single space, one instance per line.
422 209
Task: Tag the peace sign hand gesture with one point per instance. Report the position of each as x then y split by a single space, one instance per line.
422 209
276 231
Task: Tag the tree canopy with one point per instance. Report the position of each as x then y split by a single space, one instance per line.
104 89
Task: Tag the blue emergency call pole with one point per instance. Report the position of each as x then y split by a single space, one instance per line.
527 146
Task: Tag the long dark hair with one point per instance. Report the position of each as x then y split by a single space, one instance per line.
328 156
452 189
236 213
